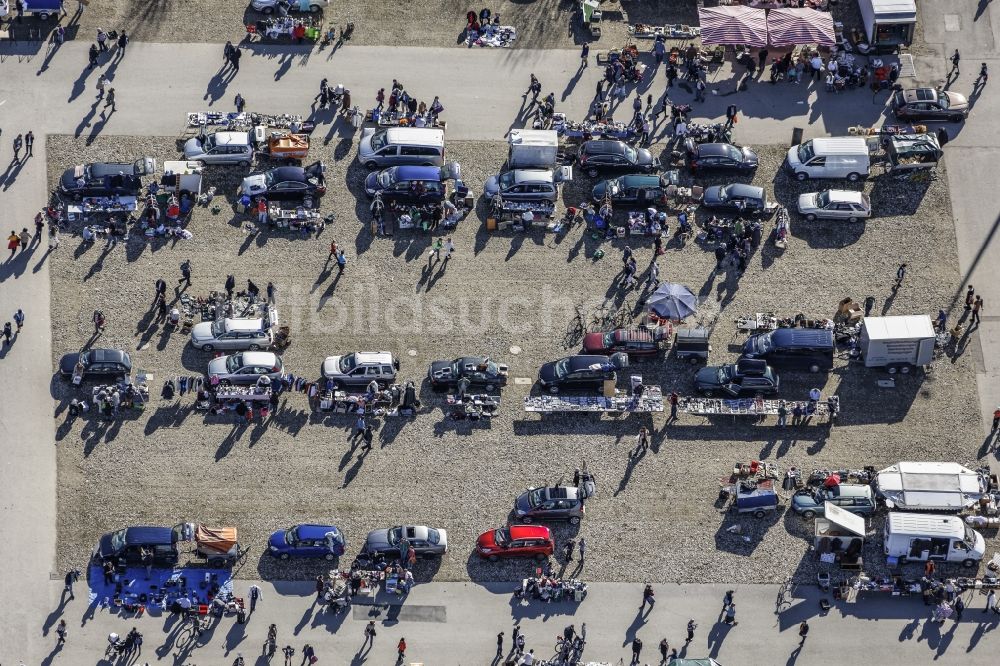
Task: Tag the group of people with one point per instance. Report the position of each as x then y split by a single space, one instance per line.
407 109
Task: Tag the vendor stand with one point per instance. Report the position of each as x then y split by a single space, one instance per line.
473 407
546 588
520 215
758 407
839 537
641 399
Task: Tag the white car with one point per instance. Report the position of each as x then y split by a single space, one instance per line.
285 6
249 334
835 205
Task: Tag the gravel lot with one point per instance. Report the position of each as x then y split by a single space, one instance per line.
654 517
540 23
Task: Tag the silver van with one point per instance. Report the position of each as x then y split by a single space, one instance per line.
242 334
401 146
830 157
220 148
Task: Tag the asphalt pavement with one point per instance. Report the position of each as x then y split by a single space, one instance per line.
157 84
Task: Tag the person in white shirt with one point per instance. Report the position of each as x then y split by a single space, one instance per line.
449 247
681 130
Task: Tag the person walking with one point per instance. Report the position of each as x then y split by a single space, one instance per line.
636 649
803 631
230 286
970 298
782 414
261 210
110 101
900 275
535 87
568 551
653 281
19 319
368 437
308 654
92 55
7 333
70 579
401 648
449 248
991 601
98 319
29 143
227 55
977 305
61 632
239 102
102 40
185 273
435 251
320 587
341 262
289 652
762 59
500 644
731 615
691 626
583 550
333 250
235 59
18 141
959 606
647 595
271 292
369 633
255 594
122 43
955 58
983 77
585 56
642 442
699 91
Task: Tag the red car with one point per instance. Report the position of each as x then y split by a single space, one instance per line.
636 343
516 541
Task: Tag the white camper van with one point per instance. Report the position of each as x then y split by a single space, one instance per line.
918 537
830 157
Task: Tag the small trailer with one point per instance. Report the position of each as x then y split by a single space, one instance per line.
897 344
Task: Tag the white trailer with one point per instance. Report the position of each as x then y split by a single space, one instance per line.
889 24
533 149
918 537
897 343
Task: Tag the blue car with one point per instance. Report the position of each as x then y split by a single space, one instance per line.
324 541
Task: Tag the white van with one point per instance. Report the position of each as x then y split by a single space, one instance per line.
401 146
918 537
830 157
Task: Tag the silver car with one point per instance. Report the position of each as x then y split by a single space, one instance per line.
246 367
220 148
523 185
426 541
248 334
835 205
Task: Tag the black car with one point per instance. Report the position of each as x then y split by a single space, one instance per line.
106 179
124 546
604 156
715 157
632 190
479 370
736 198
97 363
745 377
929 104
583 371
288 182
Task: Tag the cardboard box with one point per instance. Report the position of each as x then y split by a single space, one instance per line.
609 388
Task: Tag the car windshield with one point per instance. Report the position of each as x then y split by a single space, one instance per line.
208 143
118 540
234 362
725 374
387 178
269 179
291 536
218 328
943 101
614 187
394 535
379 139
433 536
506 179
970 537
501 537
347 363
734 152
764 343
536 497
822 199
806 152
631 154
562 368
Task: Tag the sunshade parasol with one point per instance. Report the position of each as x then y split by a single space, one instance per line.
733 24
673 301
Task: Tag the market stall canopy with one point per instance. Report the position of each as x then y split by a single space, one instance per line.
694 662
673 301
733 24
844 519
798 26
220 539
929 486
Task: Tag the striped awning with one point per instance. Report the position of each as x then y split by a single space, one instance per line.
733 24
794 27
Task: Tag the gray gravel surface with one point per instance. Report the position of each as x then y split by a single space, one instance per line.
654 517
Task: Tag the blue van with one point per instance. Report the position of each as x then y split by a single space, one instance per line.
799 349
416 184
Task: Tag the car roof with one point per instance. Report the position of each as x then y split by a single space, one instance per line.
144 535
845 196
604 146
420 136
281 174
712 149
310 531
108 356
744 190
232 138
431 173
245 325
373 357
639 180
851 490
532 176
259 358
802 337
581 361
920 95
529 532
562 492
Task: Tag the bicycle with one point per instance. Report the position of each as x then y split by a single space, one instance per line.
784 599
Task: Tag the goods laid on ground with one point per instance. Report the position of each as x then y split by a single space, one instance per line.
758 407
650 400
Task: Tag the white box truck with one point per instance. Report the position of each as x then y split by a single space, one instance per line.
889 24
897 343
918 537
532 149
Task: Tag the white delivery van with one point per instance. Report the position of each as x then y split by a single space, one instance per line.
532 149
918 537
401 146
897 343
830 157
